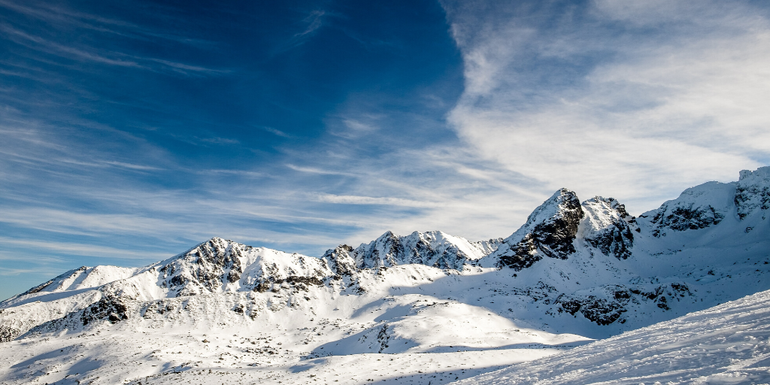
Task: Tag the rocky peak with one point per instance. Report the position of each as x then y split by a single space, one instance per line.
385 251
210 266
549 231
340 260
608 227
752 192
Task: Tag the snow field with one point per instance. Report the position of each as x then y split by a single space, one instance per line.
727 344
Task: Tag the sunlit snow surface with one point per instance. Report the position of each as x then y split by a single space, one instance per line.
428 339
726 344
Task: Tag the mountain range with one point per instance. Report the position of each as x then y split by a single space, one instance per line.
574 272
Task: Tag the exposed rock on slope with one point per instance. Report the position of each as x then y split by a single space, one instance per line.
707 205
752 192
696 208
219 265
609 227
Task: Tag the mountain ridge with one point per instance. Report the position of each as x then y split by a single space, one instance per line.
586 259
574 272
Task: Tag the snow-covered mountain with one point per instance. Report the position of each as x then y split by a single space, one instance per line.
432 248
574 271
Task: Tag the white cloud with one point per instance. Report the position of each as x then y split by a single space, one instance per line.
665 99
357 125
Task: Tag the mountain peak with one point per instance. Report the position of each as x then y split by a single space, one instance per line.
752 192
549 231
608 227
760 173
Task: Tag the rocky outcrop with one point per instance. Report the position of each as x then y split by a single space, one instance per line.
340 260
550 231
752 192
9 333
608 227
207 267
696 208
108 308
687 218
219 265
608 304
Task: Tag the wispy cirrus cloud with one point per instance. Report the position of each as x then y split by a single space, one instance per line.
61 15
50 47
79 249
366 200
313 21
85 51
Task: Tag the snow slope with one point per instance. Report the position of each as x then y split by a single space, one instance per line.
726 344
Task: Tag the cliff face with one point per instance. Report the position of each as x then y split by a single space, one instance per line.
608 227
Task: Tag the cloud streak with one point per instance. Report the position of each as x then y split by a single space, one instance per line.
85 52
81 250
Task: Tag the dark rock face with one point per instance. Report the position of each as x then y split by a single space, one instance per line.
700 207
386 251
214 264
8 333
617 238
609 308
383 337
686 218
555 237
521 255
217 263
159 307
752 192
340 261
107 308
598 310
550 235
296 282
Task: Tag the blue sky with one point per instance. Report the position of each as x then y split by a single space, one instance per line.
135 130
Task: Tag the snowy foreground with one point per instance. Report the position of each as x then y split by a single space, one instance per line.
413 337
727 344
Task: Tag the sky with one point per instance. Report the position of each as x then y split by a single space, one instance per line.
132 131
